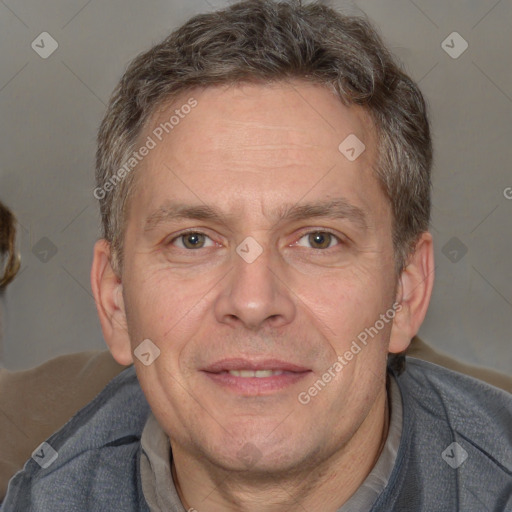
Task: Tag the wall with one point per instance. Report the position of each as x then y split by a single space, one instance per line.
51 108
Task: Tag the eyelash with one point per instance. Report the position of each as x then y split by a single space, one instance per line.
304 234
184 234
340 240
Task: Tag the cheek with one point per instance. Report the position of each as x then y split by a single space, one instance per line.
163 308
348 301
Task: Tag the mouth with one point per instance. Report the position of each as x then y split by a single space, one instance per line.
254 377
260 374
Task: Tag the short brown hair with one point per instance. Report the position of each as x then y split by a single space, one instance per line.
264 40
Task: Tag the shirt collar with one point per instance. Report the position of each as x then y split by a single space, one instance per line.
160 491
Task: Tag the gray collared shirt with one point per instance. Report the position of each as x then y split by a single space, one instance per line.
160 491
455 452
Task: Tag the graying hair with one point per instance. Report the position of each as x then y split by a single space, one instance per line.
267 41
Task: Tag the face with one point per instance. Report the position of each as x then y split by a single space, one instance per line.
255 253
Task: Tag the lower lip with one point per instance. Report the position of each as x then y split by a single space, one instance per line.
254 386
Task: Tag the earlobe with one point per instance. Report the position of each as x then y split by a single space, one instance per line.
108 294
413 294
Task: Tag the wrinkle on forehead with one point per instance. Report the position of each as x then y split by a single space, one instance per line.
272 140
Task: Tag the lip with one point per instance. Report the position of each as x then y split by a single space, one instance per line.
254 364
254 386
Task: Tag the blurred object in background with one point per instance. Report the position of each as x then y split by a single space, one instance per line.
9 257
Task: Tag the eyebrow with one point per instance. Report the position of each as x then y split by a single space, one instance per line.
336 209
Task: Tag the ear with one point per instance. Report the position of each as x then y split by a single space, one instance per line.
413 294
108 294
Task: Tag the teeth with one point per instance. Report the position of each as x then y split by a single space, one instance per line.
255 373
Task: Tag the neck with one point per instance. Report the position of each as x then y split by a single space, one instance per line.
332 483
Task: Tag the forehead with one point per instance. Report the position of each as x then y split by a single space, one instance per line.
296 112
257 144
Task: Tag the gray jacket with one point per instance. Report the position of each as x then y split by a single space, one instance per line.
455 453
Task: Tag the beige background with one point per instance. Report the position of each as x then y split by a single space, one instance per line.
50 110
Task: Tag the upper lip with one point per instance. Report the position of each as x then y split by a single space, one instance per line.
253 364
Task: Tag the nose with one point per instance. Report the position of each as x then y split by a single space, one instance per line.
255 295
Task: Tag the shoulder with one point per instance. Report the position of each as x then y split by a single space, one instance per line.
457 440
460 399
419 349
467 406
95 454
456 446
42 399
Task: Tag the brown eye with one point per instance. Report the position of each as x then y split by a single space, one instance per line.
320 239
192 240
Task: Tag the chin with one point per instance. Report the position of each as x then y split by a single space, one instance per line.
262 456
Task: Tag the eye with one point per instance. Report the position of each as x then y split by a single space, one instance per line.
319 240
192 240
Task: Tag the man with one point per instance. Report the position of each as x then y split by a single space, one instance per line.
264 184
